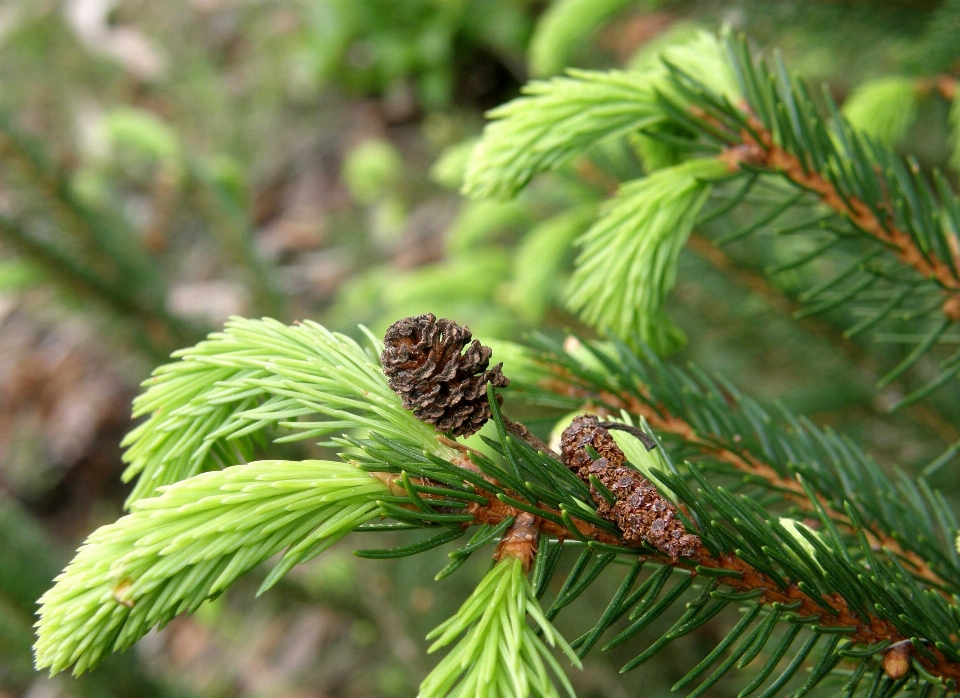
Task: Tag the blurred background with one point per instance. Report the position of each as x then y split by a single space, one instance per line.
164 165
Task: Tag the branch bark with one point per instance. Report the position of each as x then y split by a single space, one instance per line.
829 612
661 420
761 150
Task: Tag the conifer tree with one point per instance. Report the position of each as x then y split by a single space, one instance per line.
828 573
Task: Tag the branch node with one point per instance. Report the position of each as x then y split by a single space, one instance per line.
522 433
520 540
896 660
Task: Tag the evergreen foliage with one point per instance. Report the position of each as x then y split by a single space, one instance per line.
892 232
880 569
820 568
729 433
564 116
885 109
500 654
211 409
562 28
188 544
628 261
557 119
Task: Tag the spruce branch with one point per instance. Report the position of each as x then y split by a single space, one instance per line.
553 121
757 148
716 422
825 580
562 117
899 227
214 405
500 654
912 221
755 281
808 580
190 542
628 260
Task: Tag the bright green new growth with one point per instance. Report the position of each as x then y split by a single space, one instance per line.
186 543
209 409
539 258
885 108
555 120
562 117
563 27
702 56
629 260
629 257
451 167
185 546
803 534
500 655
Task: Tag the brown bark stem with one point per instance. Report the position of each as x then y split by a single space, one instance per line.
761 150
522 538
662 421
759 284
870 631
522 433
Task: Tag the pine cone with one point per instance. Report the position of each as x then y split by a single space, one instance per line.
444 387
640 510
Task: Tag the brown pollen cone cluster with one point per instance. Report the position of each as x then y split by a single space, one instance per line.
640 511
444 385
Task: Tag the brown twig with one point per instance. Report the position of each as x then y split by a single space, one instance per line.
661 420
758 148
746 578
524 434
831 611
759 284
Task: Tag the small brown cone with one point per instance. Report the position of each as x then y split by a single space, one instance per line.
444 385
641 512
